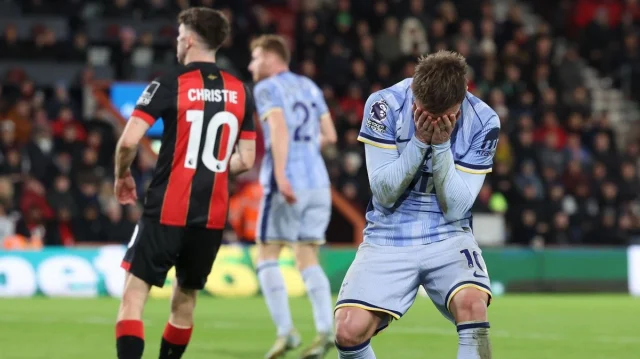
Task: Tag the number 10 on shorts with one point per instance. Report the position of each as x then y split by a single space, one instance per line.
473 258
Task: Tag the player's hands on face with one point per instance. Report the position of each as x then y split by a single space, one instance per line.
442 128
284 187
125 190
424 125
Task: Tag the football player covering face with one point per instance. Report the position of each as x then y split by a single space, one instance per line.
428 145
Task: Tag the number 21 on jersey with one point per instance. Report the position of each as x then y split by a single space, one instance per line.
196 118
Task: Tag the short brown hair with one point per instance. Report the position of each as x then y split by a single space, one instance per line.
273 43
211 25
439 81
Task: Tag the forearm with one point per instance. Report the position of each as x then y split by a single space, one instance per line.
390 179
324 141
279 151
127 146
328 134
237 165
455 192
124 158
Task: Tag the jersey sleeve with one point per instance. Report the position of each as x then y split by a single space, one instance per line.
479 158
248 130
157 97
378 124
267 99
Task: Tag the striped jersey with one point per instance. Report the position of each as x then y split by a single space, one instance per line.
416 217
205 112
302 104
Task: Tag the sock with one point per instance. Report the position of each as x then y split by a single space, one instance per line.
473 340
319 291
362 351
130 339
174 341
275 294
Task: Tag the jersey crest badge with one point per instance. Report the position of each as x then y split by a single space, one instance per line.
378 111
377 115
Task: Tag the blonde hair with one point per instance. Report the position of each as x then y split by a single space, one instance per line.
274 43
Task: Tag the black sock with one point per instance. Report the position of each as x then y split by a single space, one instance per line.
130 339
174 342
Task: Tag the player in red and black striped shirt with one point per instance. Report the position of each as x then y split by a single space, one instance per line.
207 113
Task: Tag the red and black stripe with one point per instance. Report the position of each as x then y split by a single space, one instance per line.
204 178
181 196
219 201
177 196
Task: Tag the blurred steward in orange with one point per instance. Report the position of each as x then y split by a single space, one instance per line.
244 206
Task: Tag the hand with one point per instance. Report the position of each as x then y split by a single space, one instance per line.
442 128
424 125
284 187
125 190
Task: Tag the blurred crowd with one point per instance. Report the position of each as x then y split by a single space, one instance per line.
561 177
56 167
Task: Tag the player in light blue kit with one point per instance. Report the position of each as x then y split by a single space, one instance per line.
429 144
296 207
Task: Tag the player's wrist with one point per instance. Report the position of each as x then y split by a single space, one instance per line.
419 142
124 174
441 146
280 178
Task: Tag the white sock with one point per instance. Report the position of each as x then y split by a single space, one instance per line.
275 294
319 292
362 351
473 340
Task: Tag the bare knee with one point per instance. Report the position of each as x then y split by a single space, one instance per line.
306 255
183 303
133 298
269 252
470 304
354 326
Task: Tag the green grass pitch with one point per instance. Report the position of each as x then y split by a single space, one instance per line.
522 327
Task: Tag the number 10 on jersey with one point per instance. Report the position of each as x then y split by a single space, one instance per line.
209 159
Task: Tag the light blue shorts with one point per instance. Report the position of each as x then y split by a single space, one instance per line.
305 221
386 279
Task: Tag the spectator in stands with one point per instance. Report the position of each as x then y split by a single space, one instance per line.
33 201
119 229
121 58
387 41
597 33
11 46
92 226
61 197
489 201
606 232
570 70
46 45
629 182
17 120
575 151
561 233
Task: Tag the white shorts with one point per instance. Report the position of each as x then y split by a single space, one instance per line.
305 221
386 278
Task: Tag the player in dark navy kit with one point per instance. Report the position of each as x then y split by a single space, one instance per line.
208 133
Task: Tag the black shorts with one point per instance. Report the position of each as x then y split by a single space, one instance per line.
155 248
